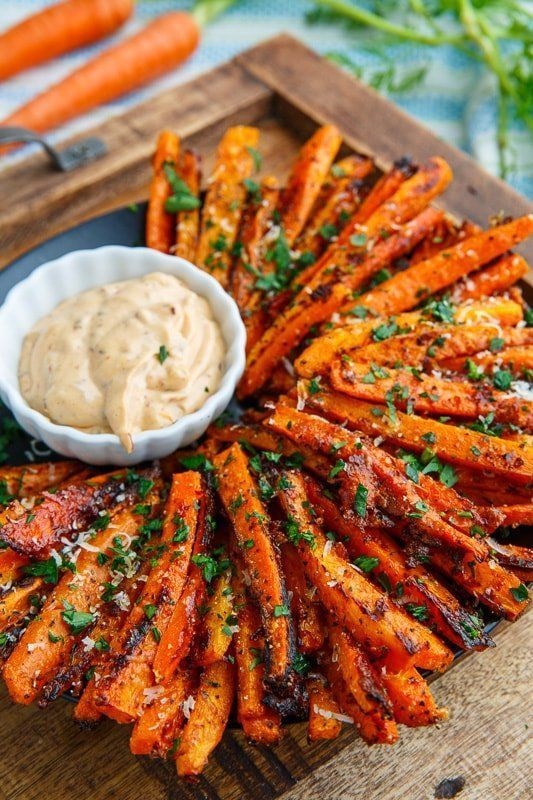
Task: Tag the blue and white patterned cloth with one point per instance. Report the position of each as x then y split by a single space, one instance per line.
456 100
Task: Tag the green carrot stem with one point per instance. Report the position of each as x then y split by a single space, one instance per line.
205 11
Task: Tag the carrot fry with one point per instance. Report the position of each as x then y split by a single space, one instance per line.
337 209
306 611
491 280
160 722
446 235
456 445
159 222
389 634
208 719
306 178
427 394
516 359
405 290
251 529
11 566
326 293
324 712
188 221
412 702
222 209
119 694
518 514
49 637
412 583
32 479
218 622
260 723
384 188
358 690
16 603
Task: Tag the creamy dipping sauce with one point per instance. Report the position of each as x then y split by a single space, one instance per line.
123 358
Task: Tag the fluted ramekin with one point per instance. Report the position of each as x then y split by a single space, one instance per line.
48 285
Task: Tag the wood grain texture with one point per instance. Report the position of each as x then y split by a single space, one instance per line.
486 740
287 91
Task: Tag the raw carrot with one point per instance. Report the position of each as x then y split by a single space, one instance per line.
58 29
188 222
303 184
158 48
159 222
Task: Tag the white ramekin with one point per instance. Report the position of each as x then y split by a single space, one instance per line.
75 272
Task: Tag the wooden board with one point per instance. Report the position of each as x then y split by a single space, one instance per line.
286 90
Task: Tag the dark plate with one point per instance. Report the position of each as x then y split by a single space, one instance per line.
125 227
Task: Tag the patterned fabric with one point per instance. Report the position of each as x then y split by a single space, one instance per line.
456 100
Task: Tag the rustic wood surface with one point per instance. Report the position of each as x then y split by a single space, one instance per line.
287 91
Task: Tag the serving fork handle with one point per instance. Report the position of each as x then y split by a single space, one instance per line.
66 159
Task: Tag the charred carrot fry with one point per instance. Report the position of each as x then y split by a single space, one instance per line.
159 725
384 188
405 290
159 222
16 602
260 723
32 479
306 178
218 622
491 280
351 598
208 719
317 301
324 711
358 689
306 611
69 609
222 209
70 509
188 221
250 523
412 583
457 445
518 514
119 693
412 702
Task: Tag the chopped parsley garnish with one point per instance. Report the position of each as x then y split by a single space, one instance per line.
520 593
502 379
360 500
496 344
418 612
256 157
76 620
281 611
197 461
295 535
162 355
181 199
366 563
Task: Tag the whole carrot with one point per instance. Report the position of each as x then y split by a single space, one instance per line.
58 29
158 48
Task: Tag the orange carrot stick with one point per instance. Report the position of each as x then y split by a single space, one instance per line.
492 279
188 222
306 178
160 722
412 702
158 48
218 622
159 223
324 711
58 29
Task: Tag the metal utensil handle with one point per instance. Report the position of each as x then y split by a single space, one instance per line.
69 158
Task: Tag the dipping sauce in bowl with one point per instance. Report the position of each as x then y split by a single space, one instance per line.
125 357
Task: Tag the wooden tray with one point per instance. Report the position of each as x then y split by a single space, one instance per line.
287 91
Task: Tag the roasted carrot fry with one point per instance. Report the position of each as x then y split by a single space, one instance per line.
260 723
32 479
492 279
388 634
159 222
457 445
120 692
306 611
222 209
413 584
208 718
517 359
427 394
306 178
250 522
158 727
325 294
358 689
337 209
16 603
188 221
412 702
405 290
257 221
218 622
49 637
517 515
11 566
384 188
446 235
324 712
